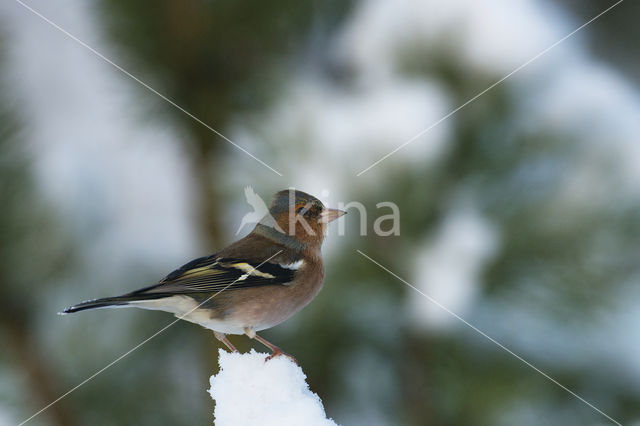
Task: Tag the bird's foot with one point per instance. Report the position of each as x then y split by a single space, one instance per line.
281 353
275 350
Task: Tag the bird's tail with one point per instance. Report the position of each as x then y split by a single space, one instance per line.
113 302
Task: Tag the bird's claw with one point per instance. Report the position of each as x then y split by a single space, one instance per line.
281 353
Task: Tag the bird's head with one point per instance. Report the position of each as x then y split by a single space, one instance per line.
301 215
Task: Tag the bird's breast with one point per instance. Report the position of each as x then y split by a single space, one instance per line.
264 307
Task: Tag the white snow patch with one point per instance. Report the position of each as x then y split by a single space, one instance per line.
249 391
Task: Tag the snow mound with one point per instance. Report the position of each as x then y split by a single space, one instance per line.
249 391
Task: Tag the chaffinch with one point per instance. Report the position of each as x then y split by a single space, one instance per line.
253 284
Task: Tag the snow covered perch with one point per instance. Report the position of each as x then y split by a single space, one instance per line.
249 391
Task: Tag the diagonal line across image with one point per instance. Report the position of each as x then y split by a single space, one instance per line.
478 95
142 83
418 135
491 339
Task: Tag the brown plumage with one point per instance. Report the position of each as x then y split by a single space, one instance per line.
253 284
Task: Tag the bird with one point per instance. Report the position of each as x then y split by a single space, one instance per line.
251 285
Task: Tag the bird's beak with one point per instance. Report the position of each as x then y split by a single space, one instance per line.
329 215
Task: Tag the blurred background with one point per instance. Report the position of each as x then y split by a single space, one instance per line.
520 212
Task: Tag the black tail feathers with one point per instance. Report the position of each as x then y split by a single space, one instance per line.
94 304
109 302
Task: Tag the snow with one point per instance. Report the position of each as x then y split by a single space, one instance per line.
250 391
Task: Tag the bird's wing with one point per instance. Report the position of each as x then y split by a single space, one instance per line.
211 274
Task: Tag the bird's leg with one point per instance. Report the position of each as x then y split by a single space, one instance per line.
223 338
275 350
